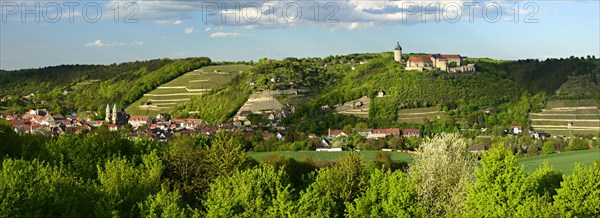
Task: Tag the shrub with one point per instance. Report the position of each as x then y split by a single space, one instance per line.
549 147
577 144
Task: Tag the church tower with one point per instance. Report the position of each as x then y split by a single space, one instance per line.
107 116
114 114
398 53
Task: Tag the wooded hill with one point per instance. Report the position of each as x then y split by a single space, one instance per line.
507 88
90 87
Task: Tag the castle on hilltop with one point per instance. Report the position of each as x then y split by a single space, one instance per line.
445 62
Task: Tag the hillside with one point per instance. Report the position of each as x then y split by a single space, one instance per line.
90 87
168 96
499 94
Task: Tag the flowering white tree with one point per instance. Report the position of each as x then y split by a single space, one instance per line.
442 171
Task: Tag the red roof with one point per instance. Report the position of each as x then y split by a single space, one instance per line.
419 59
411 132
335 132
140 118
248 134
451 56
386 131
266 135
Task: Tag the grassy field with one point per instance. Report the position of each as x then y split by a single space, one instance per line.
417 115
367 155
168 96
583 114
564 161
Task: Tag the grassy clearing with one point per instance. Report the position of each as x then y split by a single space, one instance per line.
170 95
367 155
563 162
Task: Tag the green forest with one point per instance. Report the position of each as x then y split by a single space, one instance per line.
101 174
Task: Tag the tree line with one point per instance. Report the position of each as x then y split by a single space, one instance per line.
100 174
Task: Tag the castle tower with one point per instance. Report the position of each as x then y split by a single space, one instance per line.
114 114
107 115
398 53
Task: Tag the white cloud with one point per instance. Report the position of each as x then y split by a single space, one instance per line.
99 43
207 29
177 22
333 15
225 35
188 30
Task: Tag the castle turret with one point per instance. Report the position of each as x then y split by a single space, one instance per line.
398 53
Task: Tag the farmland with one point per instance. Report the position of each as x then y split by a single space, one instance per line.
570 117
417 115
168 96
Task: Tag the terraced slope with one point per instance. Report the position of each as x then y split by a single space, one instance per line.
571 117
168 96
418 115
358 107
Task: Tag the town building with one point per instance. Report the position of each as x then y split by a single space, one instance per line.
138 121
116 117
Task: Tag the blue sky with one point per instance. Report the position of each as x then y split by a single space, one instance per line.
177 28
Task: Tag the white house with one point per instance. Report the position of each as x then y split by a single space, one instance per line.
137 121
516 129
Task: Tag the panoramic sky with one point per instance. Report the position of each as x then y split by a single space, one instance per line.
45 33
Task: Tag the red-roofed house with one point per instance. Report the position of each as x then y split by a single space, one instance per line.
112 127
335 133
411 133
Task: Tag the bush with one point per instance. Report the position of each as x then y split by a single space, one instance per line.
579 195
549 147
577 144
